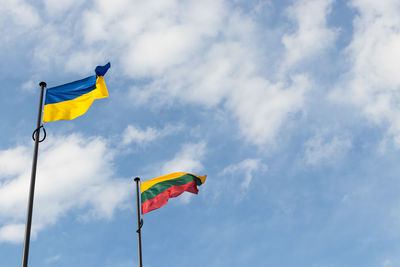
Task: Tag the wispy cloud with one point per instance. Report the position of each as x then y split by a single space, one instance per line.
323 149
312 35
133 134
52 259
28 86
238 177
372 82
188 159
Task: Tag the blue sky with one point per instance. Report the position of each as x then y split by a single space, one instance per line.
290 107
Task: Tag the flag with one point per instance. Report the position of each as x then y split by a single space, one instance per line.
156 192
71 100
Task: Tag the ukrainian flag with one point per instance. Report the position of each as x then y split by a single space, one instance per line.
71 100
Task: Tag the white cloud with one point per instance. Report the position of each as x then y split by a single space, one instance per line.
133 134
372 83
246 167
387 263
136 135
154 35
13 160
73 173
54 43
236 178
29 86
226 74
322 149
57 7
264 107
12 233
312 36
18 12
207 53
188 159
52 259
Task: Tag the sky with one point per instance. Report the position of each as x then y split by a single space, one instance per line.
292 109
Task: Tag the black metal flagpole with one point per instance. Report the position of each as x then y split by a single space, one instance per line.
36 135
139 221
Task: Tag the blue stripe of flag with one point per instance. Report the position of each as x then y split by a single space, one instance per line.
70 91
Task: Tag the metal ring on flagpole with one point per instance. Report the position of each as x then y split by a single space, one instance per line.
38 129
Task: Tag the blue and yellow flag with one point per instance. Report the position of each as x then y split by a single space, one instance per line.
71 100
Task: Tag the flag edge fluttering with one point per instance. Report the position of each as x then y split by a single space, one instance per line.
65 106
156 192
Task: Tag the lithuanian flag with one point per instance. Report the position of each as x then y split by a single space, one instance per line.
156 192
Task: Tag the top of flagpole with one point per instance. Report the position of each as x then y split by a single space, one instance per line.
42 84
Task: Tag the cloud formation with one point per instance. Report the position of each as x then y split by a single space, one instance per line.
188 159
373 81
247 167
20 13
133 134
312 35
321 149
208 53
73 173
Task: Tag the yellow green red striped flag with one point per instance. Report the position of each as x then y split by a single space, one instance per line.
156 192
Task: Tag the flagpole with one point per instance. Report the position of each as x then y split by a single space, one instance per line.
33 179
139 221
